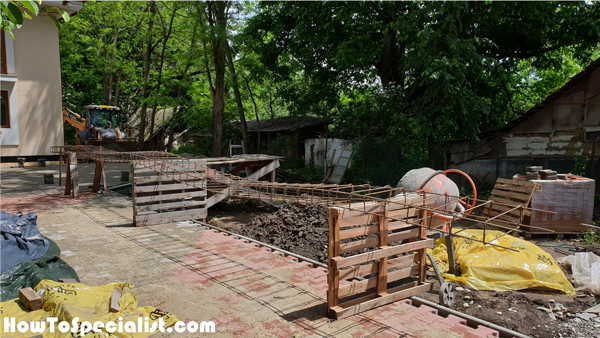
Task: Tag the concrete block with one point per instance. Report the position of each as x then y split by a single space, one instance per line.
48 178
41 162
532 175
534 168
30 299
548 174
114 300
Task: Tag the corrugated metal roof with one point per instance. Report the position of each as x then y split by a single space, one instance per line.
286 123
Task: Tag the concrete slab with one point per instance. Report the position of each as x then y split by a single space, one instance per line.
204 275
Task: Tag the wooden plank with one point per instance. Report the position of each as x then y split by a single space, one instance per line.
114 300
382 273
171 197
517 189
505 201
339 312
168 217
399 225
333 251
385 252
400 236
513 195
167 206
517 183
363 231
364 285
403 213
422 253
368 269
395 203
359 245
163 187
360 220
368 297
161 178
104 180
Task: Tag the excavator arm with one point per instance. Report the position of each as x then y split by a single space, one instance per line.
79 125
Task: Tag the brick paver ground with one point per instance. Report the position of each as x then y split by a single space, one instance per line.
202 275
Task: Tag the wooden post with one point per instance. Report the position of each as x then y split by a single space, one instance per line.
133 194
333 251
74 174
497 157
104 179
383 262
97 176
60 154
423 255
593 155
68 177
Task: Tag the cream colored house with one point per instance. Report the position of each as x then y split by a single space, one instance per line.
30 88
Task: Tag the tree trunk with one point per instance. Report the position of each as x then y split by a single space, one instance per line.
431 151
145 91
160 69
255 112
238 97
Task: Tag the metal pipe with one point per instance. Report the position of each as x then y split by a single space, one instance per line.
471 321
287 253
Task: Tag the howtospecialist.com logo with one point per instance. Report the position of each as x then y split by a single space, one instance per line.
83 328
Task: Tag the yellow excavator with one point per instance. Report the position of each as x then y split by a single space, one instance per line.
100 127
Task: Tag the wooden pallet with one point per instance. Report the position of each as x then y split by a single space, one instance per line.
512 193
158 199
359 282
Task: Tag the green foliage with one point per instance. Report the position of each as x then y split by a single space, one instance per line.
580 165
597 200
13 13
589 237
70 134
188 149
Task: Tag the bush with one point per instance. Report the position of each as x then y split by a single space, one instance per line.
189 149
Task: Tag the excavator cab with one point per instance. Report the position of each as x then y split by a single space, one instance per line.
101 126
102 123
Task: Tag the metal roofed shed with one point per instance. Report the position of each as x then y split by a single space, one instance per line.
298 129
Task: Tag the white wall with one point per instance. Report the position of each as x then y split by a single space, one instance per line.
319 149
35 91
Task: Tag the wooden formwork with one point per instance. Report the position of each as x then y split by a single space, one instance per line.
363 278
159 199
507 195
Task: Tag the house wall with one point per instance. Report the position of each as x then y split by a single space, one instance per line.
552 137
36 92
320 153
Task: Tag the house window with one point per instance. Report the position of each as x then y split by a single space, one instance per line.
2 53
4 111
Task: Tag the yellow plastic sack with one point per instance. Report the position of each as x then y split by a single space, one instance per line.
488 267
67 301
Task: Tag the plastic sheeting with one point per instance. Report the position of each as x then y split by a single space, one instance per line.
488 267
30 273
89 303
21 240
586 271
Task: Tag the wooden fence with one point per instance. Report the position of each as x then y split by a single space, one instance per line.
159 199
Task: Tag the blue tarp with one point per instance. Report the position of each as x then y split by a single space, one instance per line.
21 240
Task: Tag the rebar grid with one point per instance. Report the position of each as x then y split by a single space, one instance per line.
364 199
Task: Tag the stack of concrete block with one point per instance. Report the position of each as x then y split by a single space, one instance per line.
548 175
532 172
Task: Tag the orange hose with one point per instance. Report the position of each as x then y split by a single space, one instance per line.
456 171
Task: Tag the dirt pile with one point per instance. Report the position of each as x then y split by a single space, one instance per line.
298 228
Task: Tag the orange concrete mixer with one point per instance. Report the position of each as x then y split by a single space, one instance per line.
436 181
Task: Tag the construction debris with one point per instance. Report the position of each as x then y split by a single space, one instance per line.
586 271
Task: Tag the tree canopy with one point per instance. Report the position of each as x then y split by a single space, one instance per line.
419 73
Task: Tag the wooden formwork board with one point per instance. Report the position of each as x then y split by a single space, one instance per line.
159 199
359 282
509 194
